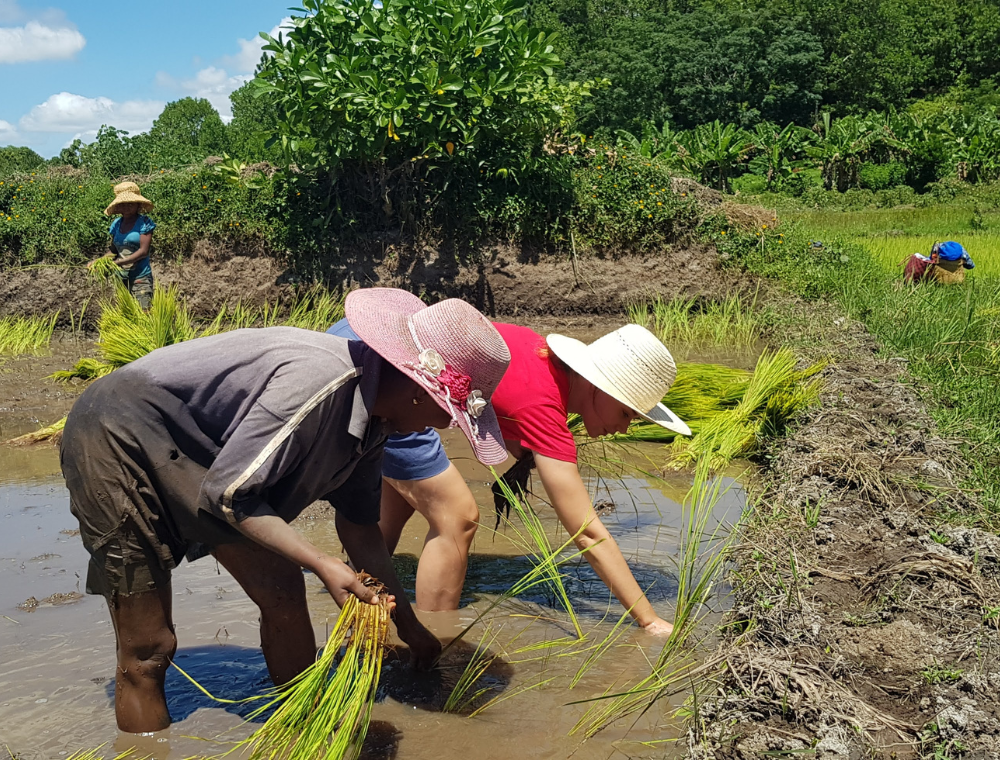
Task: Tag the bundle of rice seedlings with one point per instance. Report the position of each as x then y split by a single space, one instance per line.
51 433
127 333
324 712
771 397
26 335
730 411
104 269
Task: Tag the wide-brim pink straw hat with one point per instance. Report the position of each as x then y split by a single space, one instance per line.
449 348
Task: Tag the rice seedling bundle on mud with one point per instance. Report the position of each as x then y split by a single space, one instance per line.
730 411
26 335
325 711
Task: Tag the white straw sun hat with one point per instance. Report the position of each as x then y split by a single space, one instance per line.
630 365
449 348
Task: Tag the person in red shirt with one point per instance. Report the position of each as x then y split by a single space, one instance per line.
609 383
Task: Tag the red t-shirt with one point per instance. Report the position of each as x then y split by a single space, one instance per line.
532 397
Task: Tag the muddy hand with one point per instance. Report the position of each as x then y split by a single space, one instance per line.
342 583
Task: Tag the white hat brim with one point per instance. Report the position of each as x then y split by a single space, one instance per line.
576 355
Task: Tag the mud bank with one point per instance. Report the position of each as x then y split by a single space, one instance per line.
861 625
500 280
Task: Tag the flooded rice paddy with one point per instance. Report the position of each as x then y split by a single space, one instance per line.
57 661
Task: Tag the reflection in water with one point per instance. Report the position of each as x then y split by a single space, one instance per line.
56 682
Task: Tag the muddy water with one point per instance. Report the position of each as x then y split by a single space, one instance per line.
57 652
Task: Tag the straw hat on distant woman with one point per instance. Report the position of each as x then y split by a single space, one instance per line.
131 236
609 383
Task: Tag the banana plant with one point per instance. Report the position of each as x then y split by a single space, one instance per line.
659 144
778 152
713 151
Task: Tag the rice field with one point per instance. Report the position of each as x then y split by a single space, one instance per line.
892 235
892 252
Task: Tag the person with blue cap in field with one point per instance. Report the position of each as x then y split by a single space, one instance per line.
946 264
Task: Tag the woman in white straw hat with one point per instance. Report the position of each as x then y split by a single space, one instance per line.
131 236
216 444
609 383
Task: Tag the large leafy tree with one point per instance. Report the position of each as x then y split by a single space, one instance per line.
405 79
255 122
186 131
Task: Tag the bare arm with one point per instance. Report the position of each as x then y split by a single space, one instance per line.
366 548
571 501
273 533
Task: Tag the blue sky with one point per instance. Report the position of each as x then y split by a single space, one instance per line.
69 66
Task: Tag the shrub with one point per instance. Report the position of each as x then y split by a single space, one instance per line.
882 176
18 159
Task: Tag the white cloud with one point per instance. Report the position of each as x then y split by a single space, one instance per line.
8 133
66 112
212 83
215 83
45 35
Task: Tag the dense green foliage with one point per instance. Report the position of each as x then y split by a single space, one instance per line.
740 61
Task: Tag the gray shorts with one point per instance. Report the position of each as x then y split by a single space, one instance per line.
127 483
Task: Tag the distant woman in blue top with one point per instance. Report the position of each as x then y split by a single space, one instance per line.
131 235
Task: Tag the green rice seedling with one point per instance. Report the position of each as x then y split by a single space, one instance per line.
26 335
324 715
702 554
543 569
619 629
459 699
536 543
731 322
316 309
96 754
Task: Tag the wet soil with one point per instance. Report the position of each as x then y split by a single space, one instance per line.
863 621
28 399
503 281
57 680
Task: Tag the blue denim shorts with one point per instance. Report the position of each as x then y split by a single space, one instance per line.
414 456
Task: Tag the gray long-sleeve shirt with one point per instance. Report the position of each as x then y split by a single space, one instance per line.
244 423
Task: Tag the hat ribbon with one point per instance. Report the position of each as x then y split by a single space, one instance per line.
438 376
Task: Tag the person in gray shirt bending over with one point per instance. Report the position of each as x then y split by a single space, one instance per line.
216 444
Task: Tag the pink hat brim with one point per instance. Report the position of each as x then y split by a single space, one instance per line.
380 317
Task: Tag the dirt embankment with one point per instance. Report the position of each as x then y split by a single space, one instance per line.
861 626
505 281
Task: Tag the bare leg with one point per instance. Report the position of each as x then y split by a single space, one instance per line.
395 512
277 587
146 643
451 511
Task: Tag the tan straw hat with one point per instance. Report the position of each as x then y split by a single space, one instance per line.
449 348
630 365
128 192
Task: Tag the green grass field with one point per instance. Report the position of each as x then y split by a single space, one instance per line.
949 335
891 235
